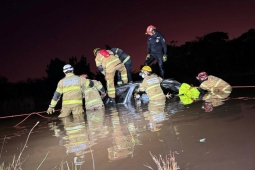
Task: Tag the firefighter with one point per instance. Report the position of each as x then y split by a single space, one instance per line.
71 87
108 64
151 85
213 84
125 59
93 100
157 48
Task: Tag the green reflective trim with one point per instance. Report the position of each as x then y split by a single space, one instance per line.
71 88
116 59
66 102
59 90
93 101
126 59
156 85
156 95
53 103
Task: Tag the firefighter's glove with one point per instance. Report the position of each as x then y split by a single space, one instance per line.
148 56
51 110
164 58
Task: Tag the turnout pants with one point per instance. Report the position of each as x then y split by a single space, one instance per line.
66 111
109 76
128 66
159 58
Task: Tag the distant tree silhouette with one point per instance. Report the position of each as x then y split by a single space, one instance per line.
82 67
55 70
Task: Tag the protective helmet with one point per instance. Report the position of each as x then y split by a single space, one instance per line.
67 68
84 76
202 75
208 107
146 68
95 51
149 29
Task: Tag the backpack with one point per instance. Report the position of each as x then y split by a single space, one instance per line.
104 53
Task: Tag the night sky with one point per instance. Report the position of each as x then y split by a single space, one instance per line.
33 32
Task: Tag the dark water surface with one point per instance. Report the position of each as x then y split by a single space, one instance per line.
121 137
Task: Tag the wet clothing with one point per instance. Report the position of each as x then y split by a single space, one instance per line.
110 65
93 100
188 94
214 84
126 60
151 85
71 87
156 47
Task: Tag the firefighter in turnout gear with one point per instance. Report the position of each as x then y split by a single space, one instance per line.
157 48
126 60
93 100
213 84
108 64
71 86
151 85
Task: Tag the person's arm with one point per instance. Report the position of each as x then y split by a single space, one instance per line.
55 99
148 46
98 61
164 45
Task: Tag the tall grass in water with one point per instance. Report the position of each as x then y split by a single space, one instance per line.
16 163
167 163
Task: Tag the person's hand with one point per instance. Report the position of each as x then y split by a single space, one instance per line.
51 110
164 58
168 95
148 56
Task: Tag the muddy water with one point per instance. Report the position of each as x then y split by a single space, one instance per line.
121 137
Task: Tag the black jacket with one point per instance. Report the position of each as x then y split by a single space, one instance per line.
156 44
120 53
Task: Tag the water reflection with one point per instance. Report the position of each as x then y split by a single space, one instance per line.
78 137
123 143
155 115
215 99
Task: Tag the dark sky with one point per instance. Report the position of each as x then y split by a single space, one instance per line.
32 32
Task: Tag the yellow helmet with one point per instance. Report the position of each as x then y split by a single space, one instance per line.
95 51
146 68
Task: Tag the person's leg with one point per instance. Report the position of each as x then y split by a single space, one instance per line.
128 66
149 60
65 111
159 58
109 76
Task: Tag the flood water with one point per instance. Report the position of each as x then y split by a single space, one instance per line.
123 137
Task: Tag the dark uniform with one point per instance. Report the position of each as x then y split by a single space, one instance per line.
125 59
157 47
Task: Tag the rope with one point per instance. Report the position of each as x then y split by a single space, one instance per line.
28 115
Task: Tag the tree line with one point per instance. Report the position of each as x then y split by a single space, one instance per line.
215 53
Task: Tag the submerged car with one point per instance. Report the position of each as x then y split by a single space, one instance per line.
125 93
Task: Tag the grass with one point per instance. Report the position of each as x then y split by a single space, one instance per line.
167 163
16 163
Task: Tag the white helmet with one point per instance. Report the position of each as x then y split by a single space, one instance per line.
67 67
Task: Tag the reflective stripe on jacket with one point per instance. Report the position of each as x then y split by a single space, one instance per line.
107 63
71 87
92 96
151 85
214 84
